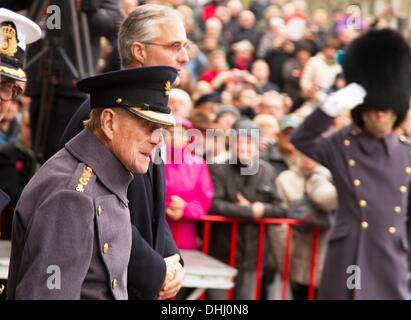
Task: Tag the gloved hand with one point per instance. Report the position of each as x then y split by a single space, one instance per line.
344 99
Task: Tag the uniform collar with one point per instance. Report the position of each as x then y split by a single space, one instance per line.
87 148
368 142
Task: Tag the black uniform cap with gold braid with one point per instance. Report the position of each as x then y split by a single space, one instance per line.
15 32
143 91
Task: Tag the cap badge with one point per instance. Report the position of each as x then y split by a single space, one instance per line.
167 88
8 40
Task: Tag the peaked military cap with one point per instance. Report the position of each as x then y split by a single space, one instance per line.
143 91
15 32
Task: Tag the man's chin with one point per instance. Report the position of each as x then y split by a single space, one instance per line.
177 81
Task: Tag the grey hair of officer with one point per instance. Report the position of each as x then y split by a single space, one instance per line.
141 25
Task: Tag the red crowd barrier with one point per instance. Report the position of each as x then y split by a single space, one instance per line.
208 219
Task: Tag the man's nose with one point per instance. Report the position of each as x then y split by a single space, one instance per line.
183 58
156 137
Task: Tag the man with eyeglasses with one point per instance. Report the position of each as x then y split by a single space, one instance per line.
150 35
15 32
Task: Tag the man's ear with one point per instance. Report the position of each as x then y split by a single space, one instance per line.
107 123
138 51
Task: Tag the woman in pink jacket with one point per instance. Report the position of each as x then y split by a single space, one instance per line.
189 188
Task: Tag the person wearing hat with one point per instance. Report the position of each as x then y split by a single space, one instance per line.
16 31
208 104
150 35
282 154
243 188
371 167
71 236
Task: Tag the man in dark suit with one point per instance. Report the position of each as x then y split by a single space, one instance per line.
150 35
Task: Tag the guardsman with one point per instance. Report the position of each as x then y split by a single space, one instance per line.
16 31
71 236
371 167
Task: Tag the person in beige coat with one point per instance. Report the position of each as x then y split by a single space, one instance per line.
314 180
320 72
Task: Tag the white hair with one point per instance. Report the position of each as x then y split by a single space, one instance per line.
181 95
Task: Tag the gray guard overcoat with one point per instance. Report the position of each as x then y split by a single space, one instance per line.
372 176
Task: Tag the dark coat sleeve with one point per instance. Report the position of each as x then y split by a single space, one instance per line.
146 269
308 138
151 237
168 247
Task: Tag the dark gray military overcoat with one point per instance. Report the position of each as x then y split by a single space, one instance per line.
369 235
71 235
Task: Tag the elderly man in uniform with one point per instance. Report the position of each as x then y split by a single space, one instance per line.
371 167
150 35
16 31
71 235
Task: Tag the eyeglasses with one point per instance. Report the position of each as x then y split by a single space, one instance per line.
9 90
174 47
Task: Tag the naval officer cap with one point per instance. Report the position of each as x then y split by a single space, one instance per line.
16 31
143 91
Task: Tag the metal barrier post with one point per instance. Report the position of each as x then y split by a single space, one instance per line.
206 240
311 288
260 257
206 236
233 250
287 262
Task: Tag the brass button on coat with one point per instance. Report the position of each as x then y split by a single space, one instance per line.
99 210
363 203
392 230
403 189
105 248
364 225
397 209
357 182
351 162
347 142
114 284
119 100
408 170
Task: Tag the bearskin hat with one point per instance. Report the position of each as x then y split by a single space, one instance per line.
379 60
